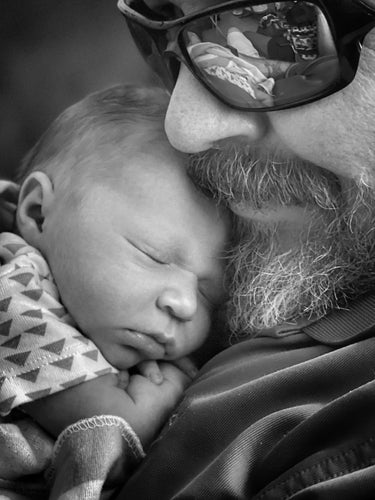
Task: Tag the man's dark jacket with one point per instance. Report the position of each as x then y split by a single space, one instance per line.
289 417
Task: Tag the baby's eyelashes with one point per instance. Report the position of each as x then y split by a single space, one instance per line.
151 253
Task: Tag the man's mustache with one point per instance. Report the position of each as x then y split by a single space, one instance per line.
243 174
334 262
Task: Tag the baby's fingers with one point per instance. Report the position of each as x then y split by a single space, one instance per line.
150 369
123 379
174 376
187 366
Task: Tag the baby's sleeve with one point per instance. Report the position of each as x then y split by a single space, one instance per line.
93 458
41 350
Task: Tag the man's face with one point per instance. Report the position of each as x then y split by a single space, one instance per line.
144 249
298 179
335 133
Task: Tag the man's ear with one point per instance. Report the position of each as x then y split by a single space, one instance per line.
36 196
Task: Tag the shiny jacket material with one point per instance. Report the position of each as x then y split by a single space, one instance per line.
272 419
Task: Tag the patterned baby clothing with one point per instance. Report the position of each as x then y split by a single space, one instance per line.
41 350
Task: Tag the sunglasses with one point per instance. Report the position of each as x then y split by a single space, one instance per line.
255 56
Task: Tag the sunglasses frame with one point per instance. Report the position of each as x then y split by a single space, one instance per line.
347 44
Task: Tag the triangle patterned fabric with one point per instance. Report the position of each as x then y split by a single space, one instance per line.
41 350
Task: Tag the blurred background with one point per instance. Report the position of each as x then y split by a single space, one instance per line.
52 53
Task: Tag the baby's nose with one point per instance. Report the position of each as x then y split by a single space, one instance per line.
179 299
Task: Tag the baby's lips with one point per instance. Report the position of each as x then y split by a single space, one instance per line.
146 344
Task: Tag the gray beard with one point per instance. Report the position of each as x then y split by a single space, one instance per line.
333 263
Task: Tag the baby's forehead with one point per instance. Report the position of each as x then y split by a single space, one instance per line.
146 171
158 173
136 152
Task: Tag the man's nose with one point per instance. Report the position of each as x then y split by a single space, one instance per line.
197 121
179 298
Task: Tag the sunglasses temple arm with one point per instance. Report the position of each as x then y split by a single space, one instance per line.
357 34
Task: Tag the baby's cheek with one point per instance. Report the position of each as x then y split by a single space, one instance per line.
119 356
199 331
106 347
103 339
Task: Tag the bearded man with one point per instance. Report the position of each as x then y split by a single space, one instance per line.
286 412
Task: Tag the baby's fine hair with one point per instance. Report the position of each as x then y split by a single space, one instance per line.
100 126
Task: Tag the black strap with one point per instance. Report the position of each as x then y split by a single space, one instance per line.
344 326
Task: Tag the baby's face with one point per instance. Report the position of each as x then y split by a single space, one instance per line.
139 262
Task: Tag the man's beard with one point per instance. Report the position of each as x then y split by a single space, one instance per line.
333 261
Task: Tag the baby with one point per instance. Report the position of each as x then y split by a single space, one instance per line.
116 264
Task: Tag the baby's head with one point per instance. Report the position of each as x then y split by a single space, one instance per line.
135 249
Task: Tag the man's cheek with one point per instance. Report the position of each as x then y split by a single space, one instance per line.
362 87
367 59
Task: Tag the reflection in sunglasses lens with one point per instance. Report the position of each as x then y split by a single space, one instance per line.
264 56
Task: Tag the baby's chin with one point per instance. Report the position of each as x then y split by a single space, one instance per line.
123 357
112 345
124 347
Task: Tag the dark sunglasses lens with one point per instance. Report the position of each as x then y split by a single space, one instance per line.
152 49
264 56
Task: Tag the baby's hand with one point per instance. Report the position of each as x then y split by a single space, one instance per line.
145 405
151 370
153 402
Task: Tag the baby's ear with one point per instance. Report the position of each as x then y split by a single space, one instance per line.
36 196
